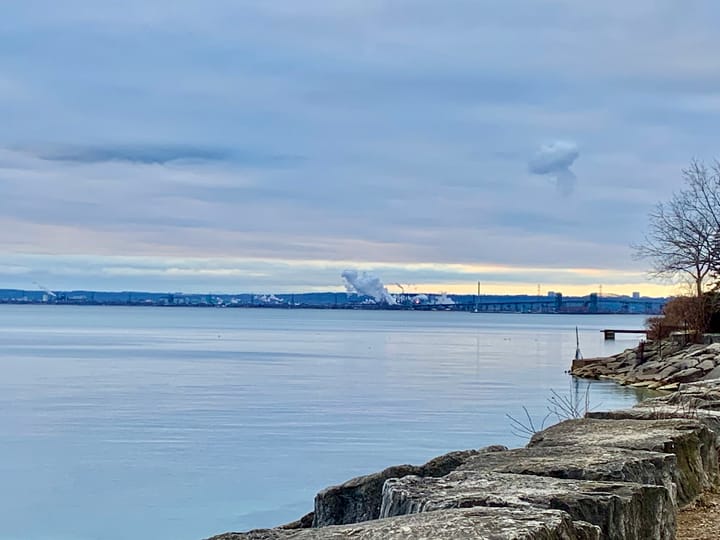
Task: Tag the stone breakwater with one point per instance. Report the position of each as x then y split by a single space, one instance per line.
613 475
655 365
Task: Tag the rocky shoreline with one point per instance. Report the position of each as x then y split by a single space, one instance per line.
616 475
660 365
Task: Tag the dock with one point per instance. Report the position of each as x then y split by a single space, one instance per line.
610 332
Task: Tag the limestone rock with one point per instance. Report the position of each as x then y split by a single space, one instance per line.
304 522
650 367
707 364
458 524
714 373
682 362
713 348
359 499
660 410
694 445
667 372
621 510
581 463
686 375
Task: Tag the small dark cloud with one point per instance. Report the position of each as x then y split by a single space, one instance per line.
134 154
161 154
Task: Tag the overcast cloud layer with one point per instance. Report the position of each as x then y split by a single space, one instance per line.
279 142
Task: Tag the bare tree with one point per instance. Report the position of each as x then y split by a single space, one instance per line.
682 234
703 186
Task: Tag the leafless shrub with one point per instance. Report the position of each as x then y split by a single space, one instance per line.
679 406
525 427
571 406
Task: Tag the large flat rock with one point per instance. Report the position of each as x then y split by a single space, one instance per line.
693 444
581 463
654 410
457 524
622 510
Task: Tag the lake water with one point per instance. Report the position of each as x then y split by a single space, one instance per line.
180 423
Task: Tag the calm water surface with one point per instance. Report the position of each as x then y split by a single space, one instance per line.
181 423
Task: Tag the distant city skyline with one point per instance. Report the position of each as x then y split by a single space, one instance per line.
268 146
366 293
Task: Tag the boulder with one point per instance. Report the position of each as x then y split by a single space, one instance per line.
686 375
480 523
650 367
683 362
692 442
622 510
660 410
581 463
706 364
304 522
359 499
668 371
711 348
714 373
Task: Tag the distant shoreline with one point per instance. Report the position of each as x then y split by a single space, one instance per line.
483 309
552 303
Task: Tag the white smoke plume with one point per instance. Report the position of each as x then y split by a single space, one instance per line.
367 284
269 299
444 300
555 160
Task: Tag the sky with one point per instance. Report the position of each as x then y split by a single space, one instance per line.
266 146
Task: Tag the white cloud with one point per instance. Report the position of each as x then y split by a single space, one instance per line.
555 159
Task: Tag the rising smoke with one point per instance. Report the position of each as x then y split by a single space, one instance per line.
554 160
367 284
444 300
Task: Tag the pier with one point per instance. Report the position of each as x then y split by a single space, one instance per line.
610 333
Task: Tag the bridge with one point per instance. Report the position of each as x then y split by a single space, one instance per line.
551 304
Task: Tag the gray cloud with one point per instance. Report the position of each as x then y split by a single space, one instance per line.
159 154
135 154
554 160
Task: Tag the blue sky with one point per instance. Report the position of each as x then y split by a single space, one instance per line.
268 145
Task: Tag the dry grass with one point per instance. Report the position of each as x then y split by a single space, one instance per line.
700 520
